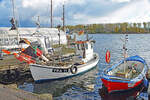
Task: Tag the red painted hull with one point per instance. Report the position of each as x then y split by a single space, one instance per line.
118 86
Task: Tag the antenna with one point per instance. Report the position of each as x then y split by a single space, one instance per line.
59 33
38 21
87 36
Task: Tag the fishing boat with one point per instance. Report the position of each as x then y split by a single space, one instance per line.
68 65
64 65
125 75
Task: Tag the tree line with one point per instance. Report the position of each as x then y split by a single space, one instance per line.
113 28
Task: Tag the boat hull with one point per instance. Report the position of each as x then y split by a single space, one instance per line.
119 86
44 73
122 95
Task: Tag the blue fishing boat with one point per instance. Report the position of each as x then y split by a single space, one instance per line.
126 74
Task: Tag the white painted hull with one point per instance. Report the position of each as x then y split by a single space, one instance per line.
41 73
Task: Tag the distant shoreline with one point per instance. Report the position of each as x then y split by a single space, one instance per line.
85 30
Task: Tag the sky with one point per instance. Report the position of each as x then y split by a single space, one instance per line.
76 12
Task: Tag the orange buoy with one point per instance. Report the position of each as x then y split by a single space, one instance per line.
107 56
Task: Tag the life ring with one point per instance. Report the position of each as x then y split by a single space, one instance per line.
107 56
73 69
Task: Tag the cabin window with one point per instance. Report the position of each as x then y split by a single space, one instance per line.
91 46
86 45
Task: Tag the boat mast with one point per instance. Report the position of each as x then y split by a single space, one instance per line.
14 21
38 22
51 14
14 14
13 6
63 16
125 50
124 46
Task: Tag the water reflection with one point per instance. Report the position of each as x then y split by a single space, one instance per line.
133 94
58 87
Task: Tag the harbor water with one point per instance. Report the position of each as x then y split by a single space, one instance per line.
87 86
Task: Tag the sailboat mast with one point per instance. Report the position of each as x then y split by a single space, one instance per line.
13 6
13 11
14 22
63 17
51 14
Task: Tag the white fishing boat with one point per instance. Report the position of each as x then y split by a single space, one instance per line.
83 60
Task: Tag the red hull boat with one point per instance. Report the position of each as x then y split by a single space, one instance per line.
127 74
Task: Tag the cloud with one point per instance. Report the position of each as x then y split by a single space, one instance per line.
120 1
76 11
34 4
77 2
133 12
42 8
42 3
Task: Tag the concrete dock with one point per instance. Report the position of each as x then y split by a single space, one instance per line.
10 91
7 93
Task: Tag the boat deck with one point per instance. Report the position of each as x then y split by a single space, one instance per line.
61 61
66 62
